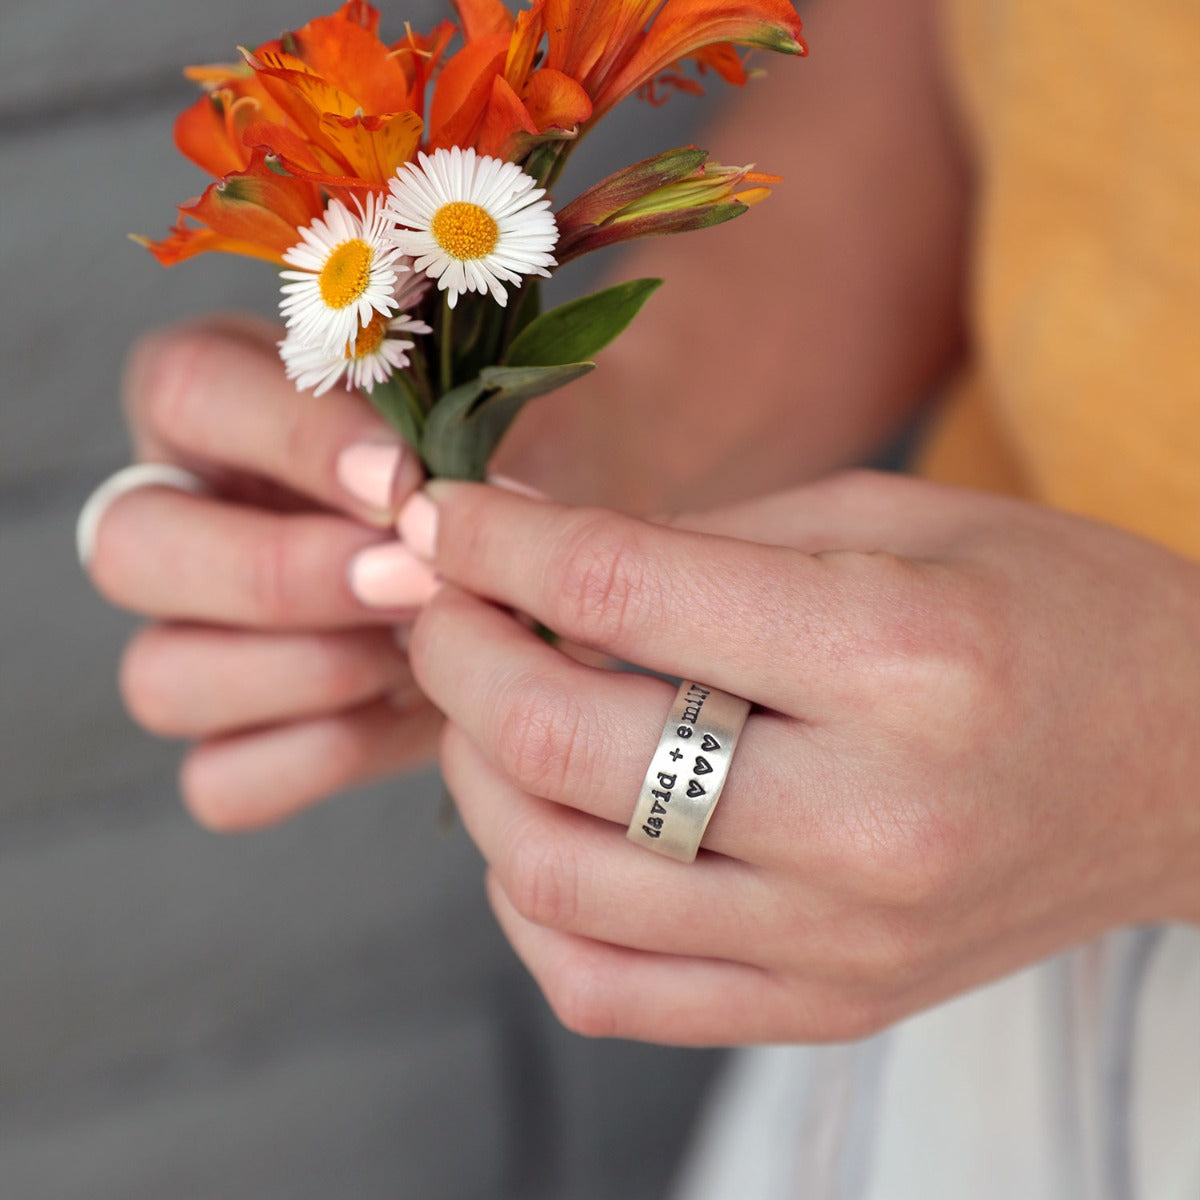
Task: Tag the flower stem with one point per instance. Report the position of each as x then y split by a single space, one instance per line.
446 348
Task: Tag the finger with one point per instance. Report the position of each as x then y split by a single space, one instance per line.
214 397
584 737
570 872
200 681
257 779
765 622
866 511
188 558
601 990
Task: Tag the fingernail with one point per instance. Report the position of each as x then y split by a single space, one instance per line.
391 576
418 525
372 472
516 487
128 479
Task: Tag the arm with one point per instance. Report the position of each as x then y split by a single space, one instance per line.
825 317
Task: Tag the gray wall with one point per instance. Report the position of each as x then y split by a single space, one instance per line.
323 1009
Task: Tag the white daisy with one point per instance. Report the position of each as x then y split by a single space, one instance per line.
347 271
370 361
472 222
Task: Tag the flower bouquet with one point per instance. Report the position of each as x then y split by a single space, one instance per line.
404 190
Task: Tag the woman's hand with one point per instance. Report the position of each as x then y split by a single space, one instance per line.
976 745
259 649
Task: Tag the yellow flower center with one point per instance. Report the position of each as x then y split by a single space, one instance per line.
346 273
465 230
370 337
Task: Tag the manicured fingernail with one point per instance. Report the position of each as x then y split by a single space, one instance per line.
418 525
516 487
372 473
391 576
128 479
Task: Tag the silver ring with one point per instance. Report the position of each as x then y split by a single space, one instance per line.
128 479
688 771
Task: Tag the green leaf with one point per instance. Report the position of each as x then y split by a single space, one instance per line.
579 329
466 425
396 402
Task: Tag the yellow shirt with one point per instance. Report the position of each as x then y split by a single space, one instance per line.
1085 387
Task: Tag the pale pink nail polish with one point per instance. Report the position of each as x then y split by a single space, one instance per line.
370 471
391 576
418 525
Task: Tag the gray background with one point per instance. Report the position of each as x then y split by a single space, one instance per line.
323 1009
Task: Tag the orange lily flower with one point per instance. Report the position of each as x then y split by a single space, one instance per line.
332 102
616 47
491 96
597 53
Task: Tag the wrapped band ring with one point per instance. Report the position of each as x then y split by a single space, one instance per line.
688 771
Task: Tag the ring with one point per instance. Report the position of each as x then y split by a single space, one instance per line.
688 771
128 479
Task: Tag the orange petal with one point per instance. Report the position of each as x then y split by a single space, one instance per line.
303 95
463 90
577 33
503 120
256 212
523 45
374 146
626 33
683 27
556 101
349 56
214 75
483 18
295 152
202 134
723 58
184 242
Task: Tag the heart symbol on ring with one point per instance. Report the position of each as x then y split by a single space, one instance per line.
703 766
694 789
710 743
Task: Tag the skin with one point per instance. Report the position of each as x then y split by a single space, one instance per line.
948 776
974 747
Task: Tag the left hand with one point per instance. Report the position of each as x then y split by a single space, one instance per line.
976 744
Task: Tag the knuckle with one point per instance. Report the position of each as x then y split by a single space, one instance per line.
542 881
269 576
164 382
539 736
600 579
930 643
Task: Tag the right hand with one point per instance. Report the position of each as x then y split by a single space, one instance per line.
258 650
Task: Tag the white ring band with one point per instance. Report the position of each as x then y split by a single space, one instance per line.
128 479
688 771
